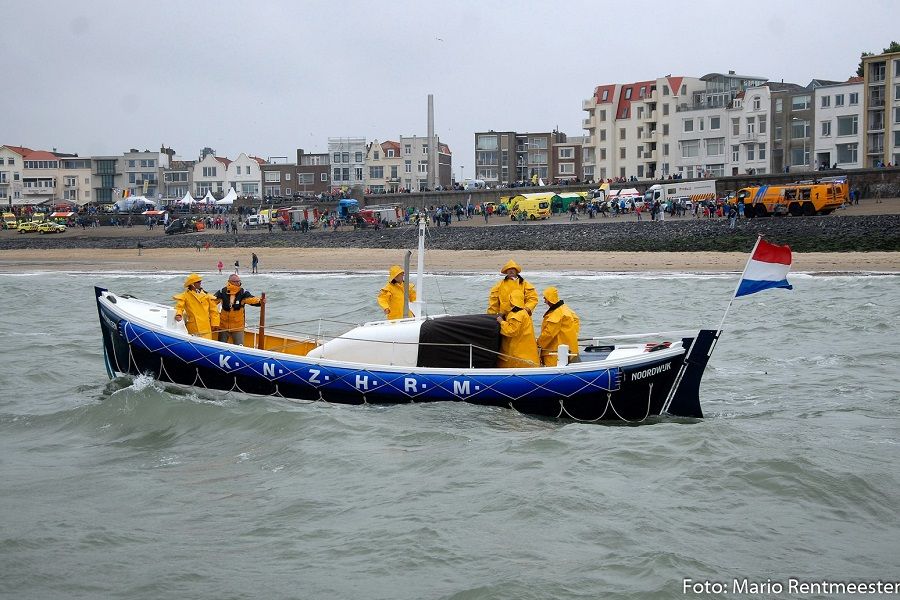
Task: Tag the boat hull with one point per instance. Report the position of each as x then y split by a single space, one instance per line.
663 382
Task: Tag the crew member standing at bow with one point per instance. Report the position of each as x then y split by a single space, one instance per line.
498 299
233 298
518 347
390 297
559 326
196 308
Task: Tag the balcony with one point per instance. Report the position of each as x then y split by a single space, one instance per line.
649 156
588 140
587 124
588 104
876 102
650 115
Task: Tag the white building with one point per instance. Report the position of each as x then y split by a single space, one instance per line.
210 175
142 171
838 127
748 124
383 167
244 176
75 177
12 161
348 161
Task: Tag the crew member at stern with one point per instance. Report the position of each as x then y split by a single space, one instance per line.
196 308
390 297
498 299
232 318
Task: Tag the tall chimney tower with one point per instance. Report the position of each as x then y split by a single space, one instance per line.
432 147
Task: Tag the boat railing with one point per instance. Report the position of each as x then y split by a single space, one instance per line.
640 336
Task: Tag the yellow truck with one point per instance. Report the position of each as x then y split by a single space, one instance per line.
9 221
796 199
535 206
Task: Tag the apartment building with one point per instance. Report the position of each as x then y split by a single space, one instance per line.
278 180
75 177
141 171
348 161
567 160
384 165
882 109
11 164
107 177
414 156
838 135
507 157
313 172
747 132
793 115
178 178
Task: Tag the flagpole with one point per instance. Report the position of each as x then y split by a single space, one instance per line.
738 286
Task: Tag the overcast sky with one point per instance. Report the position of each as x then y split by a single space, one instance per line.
268 77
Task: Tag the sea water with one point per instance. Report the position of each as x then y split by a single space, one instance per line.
133 489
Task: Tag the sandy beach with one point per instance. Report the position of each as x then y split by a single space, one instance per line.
352 259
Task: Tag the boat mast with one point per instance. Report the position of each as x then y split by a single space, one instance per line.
420 268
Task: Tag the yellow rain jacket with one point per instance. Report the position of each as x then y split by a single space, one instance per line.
498 299
199 310
559 326
391 295
517 345
233 299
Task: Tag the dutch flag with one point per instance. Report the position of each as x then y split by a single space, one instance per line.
767 268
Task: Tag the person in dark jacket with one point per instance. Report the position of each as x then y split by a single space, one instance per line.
233 298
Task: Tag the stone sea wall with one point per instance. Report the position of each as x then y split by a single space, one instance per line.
803 234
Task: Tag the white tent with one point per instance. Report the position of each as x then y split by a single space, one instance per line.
209 198
188 199
229 198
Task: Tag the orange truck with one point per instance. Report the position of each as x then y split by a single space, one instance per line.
796 199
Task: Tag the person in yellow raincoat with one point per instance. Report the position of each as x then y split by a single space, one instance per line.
196 308
233 298
390 297
518 347
498 299
559 326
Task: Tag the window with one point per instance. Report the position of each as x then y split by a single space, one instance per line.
407 166
423 166
762 152
853 98
407 149
640 132
665 109
897 92
568 153
896 116
762 122
345 173
323 177
640 111
376 172
665 129
838 99
209 171
622 133
897 68
358 172
825 102
778 132
799 129
394 172
345 157
702 123
800 102
567 168
605 96
602 135
690 148
602 153
683 90
688 125
736 127
390 153
665 90
305 178
751 154
826 128
132 163
779 105
847 153
897 139
376 155
751 125
336 159
735 153
848 125
287 176
484 142
602 115
337 174
425 149
272 176
715 122
665 149
715 147
358 157
628 94
131 178
238 169
756 103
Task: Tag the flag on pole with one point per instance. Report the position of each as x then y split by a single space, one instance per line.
767 268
